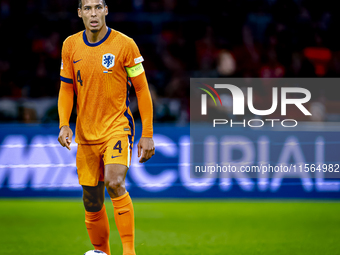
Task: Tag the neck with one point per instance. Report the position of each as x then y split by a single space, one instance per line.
94 37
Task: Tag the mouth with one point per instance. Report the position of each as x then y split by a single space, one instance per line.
94 23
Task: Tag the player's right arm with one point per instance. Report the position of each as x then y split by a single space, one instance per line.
65 100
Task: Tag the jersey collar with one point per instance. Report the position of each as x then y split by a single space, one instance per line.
97 43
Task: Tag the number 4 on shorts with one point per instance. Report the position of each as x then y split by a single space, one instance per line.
118 146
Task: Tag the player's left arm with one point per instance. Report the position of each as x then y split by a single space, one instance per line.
136 74
146 146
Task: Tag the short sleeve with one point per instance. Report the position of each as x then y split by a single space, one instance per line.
66 71
133 56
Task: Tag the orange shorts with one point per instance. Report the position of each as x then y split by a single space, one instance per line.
91 158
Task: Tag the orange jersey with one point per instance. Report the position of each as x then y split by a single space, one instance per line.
98 73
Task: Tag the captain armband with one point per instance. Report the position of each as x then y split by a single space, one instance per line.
135 70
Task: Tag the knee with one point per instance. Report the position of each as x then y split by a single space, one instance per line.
115 188
92 205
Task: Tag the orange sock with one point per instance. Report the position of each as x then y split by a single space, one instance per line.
125 222
98 228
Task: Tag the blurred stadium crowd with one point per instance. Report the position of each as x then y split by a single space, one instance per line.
178 39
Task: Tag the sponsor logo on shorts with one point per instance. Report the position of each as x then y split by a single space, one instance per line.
74 62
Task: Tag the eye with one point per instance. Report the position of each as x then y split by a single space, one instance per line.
99 7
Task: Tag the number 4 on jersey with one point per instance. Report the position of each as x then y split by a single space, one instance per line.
79 78
118 146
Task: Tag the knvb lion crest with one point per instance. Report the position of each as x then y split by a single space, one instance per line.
108 60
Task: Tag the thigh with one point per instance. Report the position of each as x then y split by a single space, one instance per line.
114 176
115 173
90 167
93 197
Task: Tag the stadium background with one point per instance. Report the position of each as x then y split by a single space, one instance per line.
178 40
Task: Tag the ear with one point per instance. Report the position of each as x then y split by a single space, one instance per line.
106 10
79 13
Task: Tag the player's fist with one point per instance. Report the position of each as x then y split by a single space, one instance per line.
146 149
65 137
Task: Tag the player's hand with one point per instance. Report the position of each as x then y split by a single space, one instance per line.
146 149
65 137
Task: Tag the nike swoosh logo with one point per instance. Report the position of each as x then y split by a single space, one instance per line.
120 213
77 61
115 156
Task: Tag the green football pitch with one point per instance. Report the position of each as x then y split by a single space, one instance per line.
54 226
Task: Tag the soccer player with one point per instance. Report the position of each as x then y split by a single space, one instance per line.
100 65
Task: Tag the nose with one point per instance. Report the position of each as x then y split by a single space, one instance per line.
93 13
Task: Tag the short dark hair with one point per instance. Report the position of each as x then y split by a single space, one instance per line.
80 3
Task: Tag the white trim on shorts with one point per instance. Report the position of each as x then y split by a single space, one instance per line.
128 157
